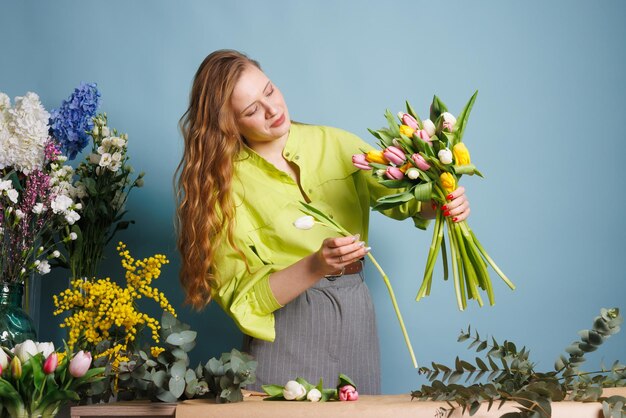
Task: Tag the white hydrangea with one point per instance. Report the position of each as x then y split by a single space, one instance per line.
23 133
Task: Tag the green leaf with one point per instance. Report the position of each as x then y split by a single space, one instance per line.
345 380
437 108
412 112
176 386
273 390
393 123
423 191
396 198
461 121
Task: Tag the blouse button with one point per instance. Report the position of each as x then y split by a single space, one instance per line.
287 154
297 157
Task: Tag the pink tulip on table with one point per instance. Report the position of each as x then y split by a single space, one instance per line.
348 393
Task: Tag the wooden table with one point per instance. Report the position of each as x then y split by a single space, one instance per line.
397 406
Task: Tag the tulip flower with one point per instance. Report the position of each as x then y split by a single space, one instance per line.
394 155
51 363
374 156
25 350
406 130
305 222
394 173
80 363
447 182
448 121
413 173
314 395
16 367
410 121
294 390
461 154
4 359
420 162
348 393
445 156
423 135
45 348
359 161
429 127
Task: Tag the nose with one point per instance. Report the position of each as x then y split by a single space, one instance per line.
270 109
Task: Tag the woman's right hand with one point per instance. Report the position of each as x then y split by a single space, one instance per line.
337 253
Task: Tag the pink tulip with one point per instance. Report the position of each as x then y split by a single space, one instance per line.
80 363
410 121
420 162
51 363
359 161
395 155
423 135
348 393
394 173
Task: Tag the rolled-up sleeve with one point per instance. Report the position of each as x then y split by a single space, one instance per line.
244 291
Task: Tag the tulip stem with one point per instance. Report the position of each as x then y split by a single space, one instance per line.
490 261
395 307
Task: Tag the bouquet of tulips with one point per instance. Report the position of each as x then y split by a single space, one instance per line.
425 160
35 380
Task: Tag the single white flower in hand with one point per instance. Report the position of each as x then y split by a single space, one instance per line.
305 222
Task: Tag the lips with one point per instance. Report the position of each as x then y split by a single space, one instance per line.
279 121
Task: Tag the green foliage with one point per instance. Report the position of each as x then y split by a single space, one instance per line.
168 378
511 376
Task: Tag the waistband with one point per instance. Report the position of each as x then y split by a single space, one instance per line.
353 268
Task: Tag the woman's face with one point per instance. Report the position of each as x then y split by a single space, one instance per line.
260 110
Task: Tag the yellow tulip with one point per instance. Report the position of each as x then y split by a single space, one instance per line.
376 157
447 182
461 154
407 130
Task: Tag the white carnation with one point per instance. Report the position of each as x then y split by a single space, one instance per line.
6 185
71 217
43 267
61 204
13 195
38 208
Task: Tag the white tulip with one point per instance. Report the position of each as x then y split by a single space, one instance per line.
413 173
305 222
448 121
45 348
429 127
445 156
294 390
25 350
4 359
314 395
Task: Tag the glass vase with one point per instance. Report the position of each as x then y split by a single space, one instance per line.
15 324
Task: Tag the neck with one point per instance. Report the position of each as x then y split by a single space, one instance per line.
272 149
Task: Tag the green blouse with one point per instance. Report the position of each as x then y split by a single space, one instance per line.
267 204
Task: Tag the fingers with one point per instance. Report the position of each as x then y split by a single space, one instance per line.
337 253
457 206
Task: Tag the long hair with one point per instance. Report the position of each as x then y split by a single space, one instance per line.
205 207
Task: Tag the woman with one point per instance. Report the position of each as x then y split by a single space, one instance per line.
297 295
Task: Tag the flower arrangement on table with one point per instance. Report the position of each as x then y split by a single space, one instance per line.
425 160
101 183
105 319
35 380
105 314
512 376
35 199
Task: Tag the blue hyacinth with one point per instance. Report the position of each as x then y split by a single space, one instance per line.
70 123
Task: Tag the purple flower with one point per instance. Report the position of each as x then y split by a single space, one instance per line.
70 123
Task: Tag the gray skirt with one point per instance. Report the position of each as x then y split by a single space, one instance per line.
327 330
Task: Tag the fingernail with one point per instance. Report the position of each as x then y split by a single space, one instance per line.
434 205
356 237
449 197
446 213
444 207
368 249
362 244
455 219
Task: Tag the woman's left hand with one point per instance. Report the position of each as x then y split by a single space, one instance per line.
457 206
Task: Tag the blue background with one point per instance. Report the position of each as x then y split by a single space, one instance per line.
546 130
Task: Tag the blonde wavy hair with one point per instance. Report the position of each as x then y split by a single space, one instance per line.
205 208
